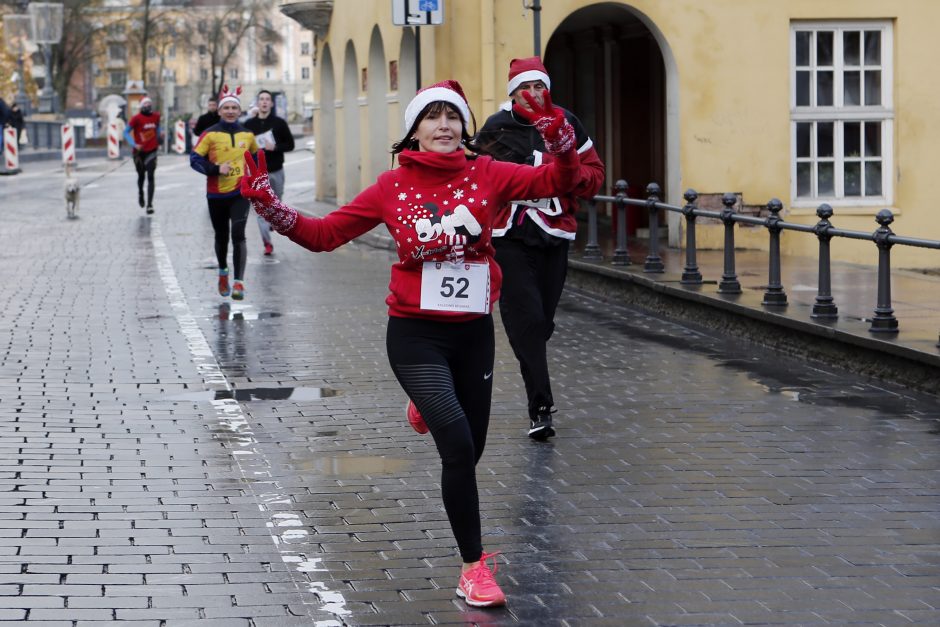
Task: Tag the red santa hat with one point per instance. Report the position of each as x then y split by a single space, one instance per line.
146 102
230 95
448 91
528 69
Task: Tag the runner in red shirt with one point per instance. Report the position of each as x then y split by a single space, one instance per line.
143 134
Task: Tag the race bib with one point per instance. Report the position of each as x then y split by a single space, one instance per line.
548 206
447 286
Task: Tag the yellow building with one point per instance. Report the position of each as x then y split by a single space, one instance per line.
800 100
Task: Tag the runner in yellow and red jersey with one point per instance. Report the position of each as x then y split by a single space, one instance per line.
220 155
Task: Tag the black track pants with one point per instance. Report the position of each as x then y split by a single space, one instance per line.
146 165
533 280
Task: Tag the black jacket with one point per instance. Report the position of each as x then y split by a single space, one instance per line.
283 138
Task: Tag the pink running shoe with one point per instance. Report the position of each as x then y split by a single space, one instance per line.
224 289
478 587
415 419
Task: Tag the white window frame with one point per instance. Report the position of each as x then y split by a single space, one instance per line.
839 114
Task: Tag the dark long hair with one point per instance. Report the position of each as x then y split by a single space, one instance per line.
408 142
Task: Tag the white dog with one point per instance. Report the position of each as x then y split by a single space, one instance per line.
72 189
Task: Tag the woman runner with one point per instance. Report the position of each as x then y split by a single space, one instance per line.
439 207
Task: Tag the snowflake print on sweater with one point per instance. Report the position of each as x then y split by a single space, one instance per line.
439 229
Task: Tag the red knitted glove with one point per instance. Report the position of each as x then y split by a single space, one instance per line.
550 121
257 189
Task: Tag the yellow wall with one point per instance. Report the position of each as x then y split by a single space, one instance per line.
732 65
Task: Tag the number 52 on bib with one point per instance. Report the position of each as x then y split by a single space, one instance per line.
447 286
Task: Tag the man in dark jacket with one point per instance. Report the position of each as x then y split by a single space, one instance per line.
274 137
531 237
208 118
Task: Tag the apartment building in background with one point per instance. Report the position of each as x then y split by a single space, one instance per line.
277 54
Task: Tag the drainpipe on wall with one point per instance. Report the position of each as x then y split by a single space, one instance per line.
536 8
488 54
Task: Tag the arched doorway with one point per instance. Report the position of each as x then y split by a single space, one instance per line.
376 91
352 167
325 134
407 69
613 68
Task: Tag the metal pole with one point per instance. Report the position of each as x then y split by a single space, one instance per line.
621 254
21 98
653 262
592 251
824 307
537 26
417 58
774 295
884 320
729 279
47 99
691 274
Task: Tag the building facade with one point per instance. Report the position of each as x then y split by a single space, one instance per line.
800 100
277 55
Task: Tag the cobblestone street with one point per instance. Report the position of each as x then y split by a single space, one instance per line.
169 457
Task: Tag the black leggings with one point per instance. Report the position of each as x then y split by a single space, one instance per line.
221 211
446 368
146 164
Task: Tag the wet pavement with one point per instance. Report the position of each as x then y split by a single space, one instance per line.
174 458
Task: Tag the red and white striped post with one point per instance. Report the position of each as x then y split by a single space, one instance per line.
179 144
11 151
68 143
114 141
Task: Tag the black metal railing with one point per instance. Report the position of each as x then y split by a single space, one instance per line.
883 321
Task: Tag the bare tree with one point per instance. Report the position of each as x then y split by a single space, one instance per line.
225 32
156 26
78 47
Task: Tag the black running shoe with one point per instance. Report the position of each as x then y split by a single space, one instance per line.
149 210
540 428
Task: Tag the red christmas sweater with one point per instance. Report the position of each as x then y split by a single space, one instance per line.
437 207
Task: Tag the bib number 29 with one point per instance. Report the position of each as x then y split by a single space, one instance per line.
462 287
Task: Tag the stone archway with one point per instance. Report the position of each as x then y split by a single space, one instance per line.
611 65
352 166
407 68
325 134
376 97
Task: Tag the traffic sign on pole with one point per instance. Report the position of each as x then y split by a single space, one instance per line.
417 12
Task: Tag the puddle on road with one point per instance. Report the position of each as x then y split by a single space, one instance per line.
225 314
346 465
257 394
227 311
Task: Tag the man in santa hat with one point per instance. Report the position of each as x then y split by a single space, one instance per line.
143 135
531 236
